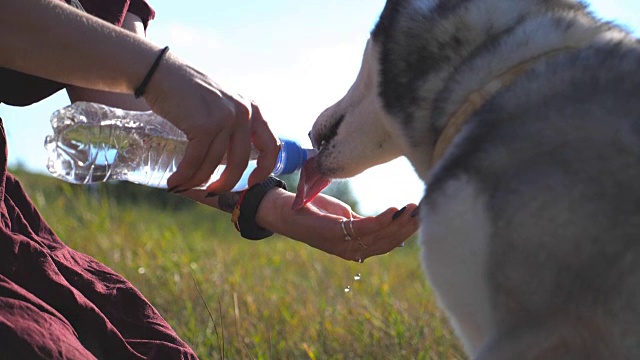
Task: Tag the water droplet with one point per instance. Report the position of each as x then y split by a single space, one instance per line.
357 277
347 289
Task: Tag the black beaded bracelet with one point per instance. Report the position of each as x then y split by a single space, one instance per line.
143 85
246 224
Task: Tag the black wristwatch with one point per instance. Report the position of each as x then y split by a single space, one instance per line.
247 225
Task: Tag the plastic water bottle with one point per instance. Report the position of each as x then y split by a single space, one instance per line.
96 143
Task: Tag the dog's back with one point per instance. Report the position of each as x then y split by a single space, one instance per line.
554 164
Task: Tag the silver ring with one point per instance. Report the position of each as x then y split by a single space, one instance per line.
353 232
347 237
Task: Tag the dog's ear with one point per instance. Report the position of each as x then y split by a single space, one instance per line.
391 8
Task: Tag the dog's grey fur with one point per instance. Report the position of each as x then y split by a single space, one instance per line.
531 222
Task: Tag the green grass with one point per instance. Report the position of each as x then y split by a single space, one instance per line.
273 299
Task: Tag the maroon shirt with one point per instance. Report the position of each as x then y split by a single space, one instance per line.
56 303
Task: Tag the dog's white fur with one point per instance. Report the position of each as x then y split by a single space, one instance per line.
455 258
362 103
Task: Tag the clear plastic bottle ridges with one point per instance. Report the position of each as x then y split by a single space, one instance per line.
95 143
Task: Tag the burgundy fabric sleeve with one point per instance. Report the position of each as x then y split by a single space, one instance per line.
59 304
113 11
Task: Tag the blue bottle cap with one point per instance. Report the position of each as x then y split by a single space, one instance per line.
293 156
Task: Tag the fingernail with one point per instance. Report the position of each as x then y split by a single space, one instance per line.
210 195
415 212
399 212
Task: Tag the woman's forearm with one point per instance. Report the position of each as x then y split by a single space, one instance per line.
131 23
86 51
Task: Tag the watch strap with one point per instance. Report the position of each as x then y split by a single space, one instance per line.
251 200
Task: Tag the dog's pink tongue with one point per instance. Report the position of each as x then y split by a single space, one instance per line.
310 185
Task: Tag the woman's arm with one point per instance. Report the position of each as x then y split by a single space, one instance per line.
318 224
54 41
131 23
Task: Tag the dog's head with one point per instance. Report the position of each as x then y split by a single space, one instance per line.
396 105
353 134
382 116
419 63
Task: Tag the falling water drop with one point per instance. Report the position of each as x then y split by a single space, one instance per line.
347 289
357 277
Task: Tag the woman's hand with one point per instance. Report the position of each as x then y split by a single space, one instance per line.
326 223
215 123
320 223
330 225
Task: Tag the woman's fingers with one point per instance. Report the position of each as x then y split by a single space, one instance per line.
266 143
383 233
331 205
215 123
200 159
238 153
233 131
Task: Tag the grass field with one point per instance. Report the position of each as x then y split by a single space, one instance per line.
273 299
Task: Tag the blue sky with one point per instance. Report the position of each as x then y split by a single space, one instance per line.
293 58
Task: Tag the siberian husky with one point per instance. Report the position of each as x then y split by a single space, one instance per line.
522 118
